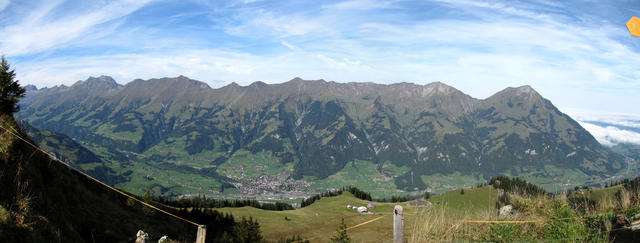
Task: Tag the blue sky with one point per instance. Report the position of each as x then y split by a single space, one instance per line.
578 54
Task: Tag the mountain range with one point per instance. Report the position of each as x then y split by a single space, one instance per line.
179 136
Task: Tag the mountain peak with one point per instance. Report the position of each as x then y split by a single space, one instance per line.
30 87
258 85
524 92
525 89
103 83
441 87
296 79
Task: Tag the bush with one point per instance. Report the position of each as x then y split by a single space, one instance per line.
5 217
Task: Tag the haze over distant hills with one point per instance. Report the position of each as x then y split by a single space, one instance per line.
179 136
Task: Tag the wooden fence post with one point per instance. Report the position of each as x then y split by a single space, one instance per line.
202 233
398 225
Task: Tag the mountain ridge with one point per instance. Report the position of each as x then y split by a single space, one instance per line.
310 129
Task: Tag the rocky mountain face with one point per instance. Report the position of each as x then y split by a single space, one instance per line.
165 130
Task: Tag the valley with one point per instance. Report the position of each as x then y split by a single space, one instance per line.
306 136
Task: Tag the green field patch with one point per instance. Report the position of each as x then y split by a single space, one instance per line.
172 151
245 164
472 201
145 177
107 130
552 178
609 193
439 183
364 175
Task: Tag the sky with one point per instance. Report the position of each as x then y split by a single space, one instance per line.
578 54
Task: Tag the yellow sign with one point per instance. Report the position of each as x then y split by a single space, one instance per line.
634 26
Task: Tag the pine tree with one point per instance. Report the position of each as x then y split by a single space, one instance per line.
341 234
10 90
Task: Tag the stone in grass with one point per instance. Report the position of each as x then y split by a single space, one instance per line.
362 209
142 237
166 239
506 210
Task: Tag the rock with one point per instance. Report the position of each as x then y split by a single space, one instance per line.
620 221
349 206
506 210
142 237
166 239
371 206
362 209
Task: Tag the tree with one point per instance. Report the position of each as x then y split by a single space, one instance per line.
427 195
10 90
247 230
341 234
462 191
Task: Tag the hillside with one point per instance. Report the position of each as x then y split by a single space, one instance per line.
318 221
44 201
66 149
183 137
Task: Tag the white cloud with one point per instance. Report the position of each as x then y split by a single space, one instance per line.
610 136
360 5
263 23
498 45
615 118
4 4
38 32
201 64
288 45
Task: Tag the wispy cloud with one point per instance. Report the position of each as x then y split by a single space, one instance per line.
39 31
4 4
360 5
610 135
575 56
609 128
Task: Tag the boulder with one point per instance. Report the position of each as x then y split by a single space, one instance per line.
165 239
370 206
349 206
506 210
362 209
142 237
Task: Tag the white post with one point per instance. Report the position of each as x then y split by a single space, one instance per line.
202 232
398 225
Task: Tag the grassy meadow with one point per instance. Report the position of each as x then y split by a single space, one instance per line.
318 222
581 216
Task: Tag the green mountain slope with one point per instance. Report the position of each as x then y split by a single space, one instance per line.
69 151
179 136
44 201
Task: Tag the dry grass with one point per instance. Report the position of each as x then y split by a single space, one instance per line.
442 224
566 225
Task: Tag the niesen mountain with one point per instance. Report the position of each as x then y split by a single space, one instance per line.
179 136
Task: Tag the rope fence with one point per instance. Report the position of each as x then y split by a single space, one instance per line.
51 156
